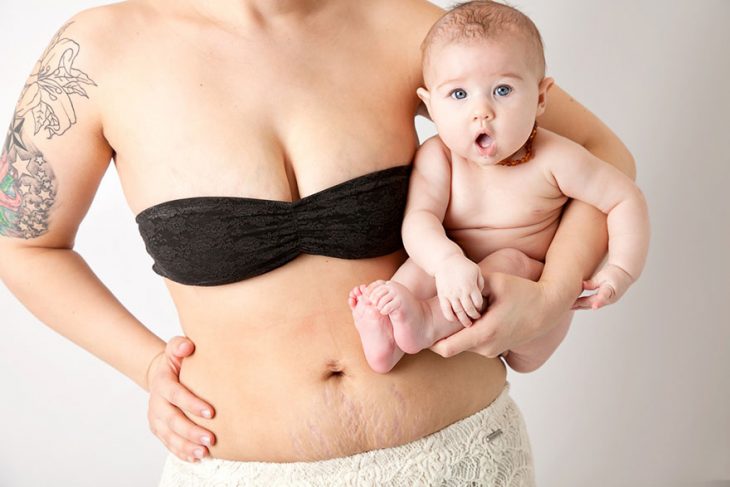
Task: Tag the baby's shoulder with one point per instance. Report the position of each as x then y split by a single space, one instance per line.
551 148
433 147
549 142
433 156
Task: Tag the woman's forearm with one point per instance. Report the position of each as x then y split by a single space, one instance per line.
60 289
577 249
581 241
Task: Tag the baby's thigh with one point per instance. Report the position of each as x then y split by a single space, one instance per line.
512 261
416 280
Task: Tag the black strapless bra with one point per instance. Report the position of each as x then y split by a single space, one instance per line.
213 240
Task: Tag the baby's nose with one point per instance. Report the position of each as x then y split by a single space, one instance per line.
482 112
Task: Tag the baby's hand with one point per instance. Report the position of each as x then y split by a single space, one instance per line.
459 284
611 282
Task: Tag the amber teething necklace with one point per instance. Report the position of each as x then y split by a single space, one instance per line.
528 151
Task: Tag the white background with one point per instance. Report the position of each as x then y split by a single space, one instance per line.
637 395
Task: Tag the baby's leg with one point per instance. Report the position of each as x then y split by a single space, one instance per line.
531 355
405 300
375 330
410 284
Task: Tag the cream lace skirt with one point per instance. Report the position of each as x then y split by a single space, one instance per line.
488 448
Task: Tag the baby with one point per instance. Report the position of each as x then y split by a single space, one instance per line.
486 193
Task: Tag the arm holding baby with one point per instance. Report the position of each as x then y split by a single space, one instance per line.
582 176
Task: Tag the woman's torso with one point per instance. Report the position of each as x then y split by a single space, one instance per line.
195 110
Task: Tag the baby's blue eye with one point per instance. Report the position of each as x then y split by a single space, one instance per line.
502 90
458 94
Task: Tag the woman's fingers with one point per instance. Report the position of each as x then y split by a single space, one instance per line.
167 380
168 400
590 285
454 344
605 295
183 441
179 396
179 347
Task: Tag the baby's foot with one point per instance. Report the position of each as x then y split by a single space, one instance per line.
412 328
376 332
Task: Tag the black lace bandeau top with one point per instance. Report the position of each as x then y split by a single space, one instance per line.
212 240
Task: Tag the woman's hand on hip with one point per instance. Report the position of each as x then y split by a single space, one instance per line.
168 400
519 310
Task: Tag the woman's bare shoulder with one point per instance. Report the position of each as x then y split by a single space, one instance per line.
411 18
105 30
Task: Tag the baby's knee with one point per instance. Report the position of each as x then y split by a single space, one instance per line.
523 363
512 261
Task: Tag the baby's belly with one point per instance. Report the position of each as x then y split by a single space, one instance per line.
478 243
298 389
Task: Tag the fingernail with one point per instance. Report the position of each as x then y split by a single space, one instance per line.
205 440
198 452
206 413
180 347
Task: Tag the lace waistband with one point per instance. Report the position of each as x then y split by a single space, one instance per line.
490 447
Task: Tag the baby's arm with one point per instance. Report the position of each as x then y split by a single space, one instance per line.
459 282
582 176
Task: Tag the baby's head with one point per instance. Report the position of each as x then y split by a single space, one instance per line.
484 70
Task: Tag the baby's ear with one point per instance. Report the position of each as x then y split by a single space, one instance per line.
542 90
425 97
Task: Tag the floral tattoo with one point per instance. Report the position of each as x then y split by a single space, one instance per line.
28 185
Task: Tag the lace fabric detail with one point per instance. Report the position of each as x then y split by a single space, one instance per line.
489 448
213 240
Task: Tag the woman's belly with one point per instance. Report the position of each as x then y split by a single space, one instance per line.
279 358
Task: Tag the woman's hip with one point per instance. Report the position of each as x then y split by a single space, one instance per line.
490 448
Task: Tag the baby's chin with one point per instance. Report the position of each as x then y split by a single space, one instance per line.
479 157
478 160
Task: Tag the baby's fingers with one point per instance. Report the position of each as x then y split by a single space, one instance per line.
445 306
604 296
478 300
469 308
460 313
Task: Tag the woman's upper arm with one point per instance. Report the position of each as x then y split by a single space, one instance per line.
55 153
567 117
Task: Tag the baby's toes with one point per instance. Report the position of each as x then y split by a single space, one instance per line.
377 292
373 285
386 298
354 295
391 306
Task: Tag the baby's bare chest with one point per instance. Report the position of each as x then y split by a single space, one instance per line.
500 197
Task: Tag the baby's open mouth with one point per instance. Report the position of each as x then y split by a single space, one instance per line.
484 141
485 145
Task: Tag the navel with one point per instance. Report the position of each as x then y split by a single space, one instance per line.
334 369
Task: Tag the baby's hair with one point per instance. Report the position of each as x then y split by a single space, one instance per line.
483 20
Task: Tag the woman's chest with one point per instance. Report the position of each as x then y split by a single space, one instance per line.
189 117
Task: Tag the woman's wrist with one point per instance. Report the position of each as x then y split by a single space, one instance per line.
146 384
560 294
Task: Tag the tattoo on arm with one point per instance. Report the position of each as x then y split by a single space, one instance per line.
27 184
